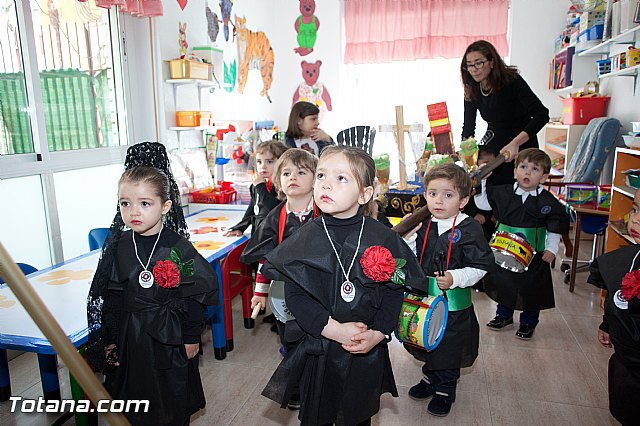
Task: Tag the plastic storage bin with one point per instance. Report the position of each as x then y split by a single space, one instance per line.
604 197
582 110
214 195
583 195
604 66
186 118
204 118
592 33
182 68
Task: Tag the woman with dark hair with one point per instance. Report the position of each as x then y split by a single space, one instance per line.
514 113
304 131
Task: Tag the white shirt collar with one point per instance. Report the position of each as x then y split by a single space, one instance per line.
533 192
302 213
445 224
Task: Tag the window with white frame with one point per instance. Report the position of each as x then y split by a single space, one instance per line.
77 77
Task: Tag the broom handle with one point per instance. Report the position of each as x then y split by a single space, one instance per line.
46 322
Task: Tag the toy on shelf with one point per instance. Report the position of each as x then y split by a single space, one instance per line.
182 41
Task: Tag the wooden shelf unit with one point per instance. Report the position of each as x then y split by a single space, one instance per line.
561 141
621 197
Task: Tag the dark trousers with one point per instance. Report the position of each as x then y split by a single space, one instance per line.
363 423
443 381
526 317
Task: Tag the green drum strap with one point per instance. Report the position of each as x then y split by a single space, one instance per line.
457 298
529 233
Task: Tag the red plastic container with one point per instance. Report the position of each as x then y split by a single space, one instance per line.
214 195
582 110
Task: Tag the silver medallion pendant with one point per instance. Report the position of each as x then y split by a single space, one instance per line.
145 279
348 291
256 209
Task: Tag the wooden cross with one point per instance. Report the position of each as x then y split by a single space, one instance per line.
400 142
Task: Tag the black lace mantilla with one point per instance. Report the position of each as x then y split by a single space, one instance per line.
152 154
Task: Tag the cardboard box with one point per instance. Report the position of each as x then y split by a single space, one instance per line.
182 68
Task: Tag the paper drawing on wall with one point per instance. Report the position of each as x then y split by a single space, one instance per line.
213 24
225 8
182 41
312 90
182 3
230 76
306 26
254 52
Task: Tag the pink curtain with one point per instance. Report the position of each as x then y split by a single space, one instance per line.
134 7
402 30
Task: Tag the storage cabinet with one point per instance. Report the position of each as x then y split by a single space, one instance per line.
560 142
621 198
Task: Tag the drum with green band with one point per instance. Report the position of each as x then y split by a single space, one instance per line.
535 236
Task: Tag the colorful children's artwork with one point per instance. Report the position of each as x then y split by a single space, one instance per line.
65 276
306 26
6 303
205 230
230 76
213 24
254 52
225 8
208 245
182 4
312 90
182 41
211 219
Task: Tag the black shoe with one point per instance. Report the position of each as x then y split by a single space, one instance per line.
274 328
422 390
439 406
499 322
525 331
271 319
294 403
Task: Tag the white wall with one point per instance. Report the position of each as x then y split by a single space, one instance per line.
276 19
534 26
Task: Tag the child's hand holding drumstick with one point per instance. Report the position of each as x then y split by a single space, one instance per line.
257 304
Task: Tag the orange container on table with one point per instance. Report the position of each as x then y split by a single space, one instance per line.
186 118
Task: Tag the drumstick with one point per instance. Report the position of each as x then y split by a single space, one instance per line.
256 310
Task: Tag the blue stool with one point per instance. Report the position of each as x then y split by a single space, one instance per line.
596 226
97 237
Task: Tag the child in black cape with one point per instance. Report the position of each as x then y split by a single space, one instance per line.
617 272
452 242
338 273
528 210
147 300
293 176
264 195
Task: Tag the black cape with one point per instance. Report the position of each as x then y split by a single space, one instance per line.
267 200
623 326
459 345
152 327
265 237
533 289
336 386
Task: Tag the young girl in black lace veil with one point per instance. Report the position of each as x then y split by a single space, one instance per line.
145 319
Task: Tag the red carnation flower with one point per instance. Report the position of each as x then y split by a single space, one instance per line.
378 263
166 274
630 286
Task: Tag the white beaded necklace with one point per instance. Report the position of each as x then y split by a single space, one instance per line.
483 93
347 291
145 279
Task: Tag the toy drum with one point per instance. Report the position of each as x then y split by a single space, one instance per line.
277 303
422 321
511 251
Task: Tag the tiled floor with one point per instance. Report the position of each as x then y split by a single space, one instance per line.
557 378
